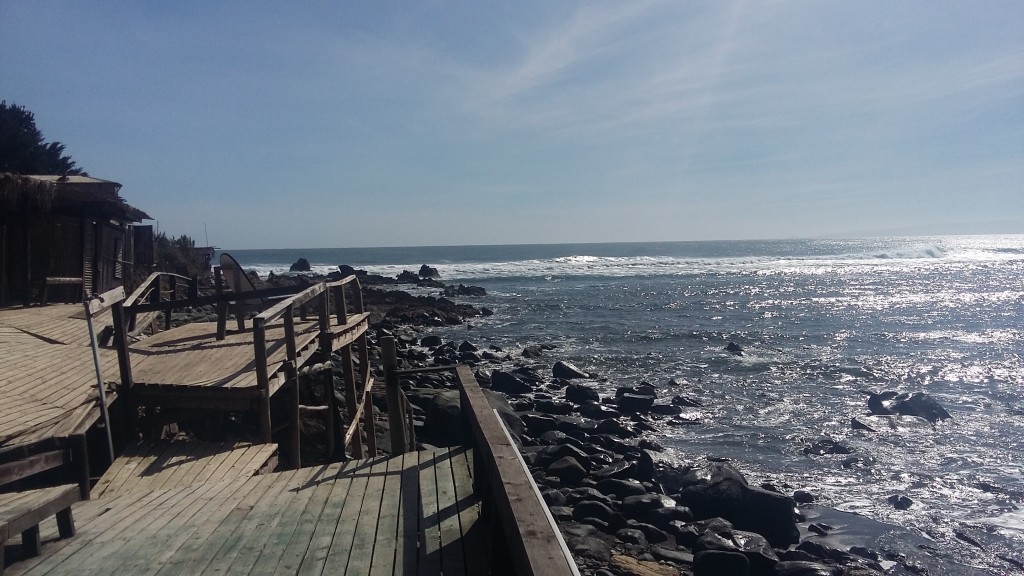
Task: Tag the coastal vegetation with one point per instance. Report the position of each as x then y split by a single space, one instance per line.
24 150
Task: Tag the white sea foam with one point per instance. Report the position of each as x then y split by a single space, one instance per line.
865 256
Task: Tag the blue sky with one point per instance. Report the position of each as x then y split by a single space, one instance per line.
336 124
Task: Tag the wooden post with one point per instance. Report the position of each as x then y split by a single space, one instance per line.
326 348
396 419
327 381
174 296
350 397
292 374
342 311
259 342
80 456
222 305
121 341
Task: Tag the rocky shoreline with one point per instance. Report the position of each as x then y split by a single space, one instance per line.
622 509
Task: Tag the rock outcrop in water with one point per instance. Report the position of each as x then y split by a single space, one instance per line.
917 404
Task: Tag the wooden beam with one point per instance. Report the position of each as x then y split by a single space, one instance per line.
396 419
14 471
259 342
535 544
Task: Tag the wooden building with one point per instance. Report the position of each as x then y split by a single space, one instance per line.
71 234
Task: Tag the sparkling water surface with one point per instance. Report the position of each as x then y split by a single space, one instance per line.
821 321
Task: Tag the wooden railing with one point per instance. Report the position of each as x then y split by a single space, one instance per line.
521 529
160 288
334 321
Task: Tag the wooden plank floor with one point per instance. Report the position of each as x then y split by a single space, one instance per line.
151 466
47 377
409 514
190 360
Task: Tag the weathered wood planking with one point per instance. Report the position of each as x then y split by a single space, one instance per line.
360 517
47 377
169 465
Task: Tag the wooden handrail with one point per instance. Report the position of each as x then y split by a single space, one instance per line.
535 543
278 310
528 530
145 287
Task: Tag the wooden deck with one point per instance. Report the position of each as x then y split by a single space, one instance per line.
47 376
163 465
410 514
189 360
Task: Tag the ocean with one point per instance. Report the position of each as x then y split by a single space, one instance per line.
821 322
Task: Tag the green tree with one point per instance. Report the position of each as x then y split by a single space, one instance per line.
23 149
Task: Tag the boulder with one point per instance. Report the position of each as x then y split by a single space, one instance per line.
568 470
758 551
720 563
507 383
653 534
593 509
666 410
300 265
621 488
567 371
581 394
718 490
408 277
637 506
632 536
823 446
642 389
597 411
617 470
463 290
553 407
662 518
444 415
674 556
917 404
431 341
634 403
538 424
589 547
587 493
900 502
532 352
615 428
549 454
429 272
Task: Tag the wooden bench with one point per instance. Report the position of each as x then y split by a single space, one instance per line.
23 511
56 281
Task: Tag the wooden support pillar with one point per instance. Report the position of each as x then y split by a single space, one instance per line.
31 544
350 397
291 369
295 435
222 305
80 459
259 343
65 523
396 417
327 381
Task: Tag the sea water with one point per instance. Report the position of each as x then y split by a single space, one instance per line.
821 323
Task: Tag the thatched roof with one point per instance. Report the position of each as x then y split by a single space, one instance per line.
84 195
